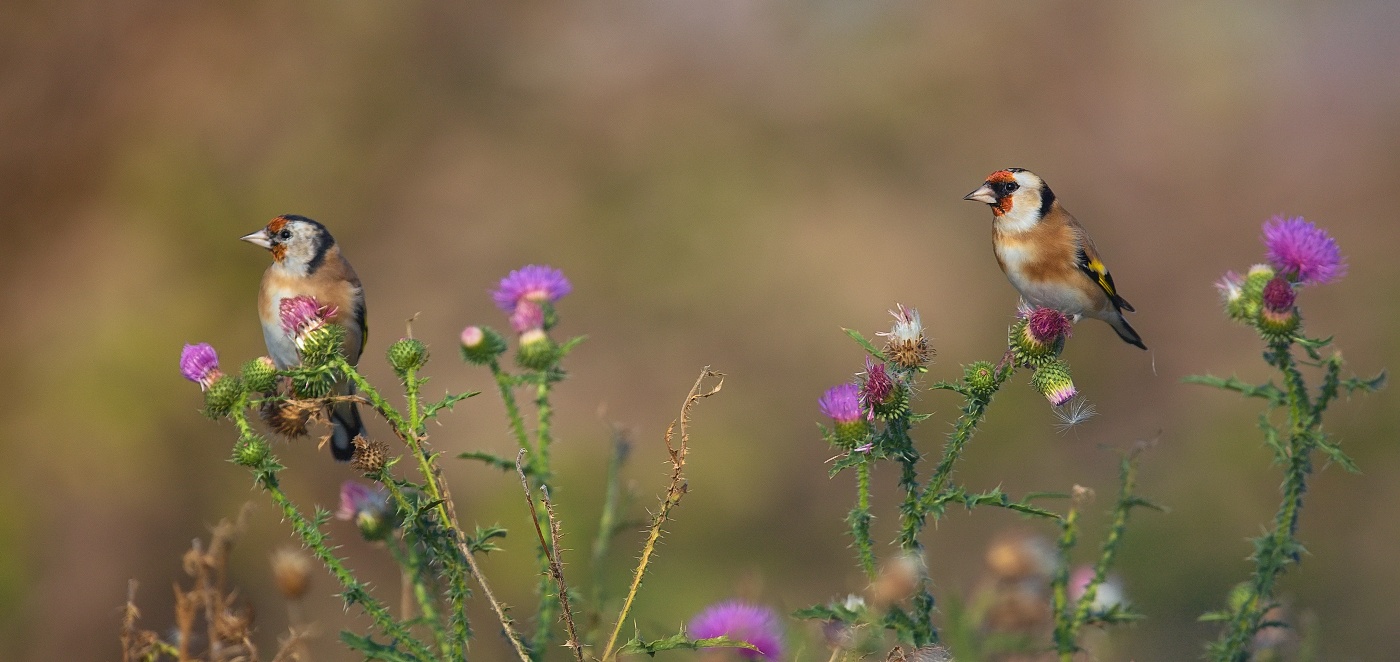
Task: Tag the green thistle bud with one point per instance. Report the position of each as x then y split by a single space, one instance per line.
407 354
221 396
1054 382
481 344
250 451
312 383
980 378
260 375
321 344
1245 306
850 434
536 351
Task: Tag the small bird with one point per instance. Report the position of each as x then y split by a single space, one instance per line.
306 261
1046 254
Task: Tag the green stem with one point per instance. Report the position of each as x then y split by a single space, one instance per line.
1059 587
434 485
860 519
1128 480
505 383
454 647
1279 548
406 555
550 600
315 540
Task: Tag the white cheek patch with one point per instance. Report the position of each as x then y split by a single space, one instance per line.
1022 217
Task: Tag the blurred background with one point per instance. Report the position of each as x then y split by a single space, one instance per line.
728 184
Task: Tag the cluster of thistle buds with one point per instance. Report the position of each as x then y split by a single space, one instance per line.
1298 254
527 295
1035 341
882 391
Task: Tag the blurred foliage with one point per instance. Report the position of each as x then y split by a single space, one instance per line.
726 184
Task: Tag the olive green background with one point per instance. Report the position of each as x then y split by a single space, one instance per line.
726 183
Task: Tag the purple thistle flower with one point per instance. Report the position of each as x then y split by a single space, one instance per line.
200 364
367 507
536 282
358 497
1046 325
1298 248
741 621
841 403
303 313
528 316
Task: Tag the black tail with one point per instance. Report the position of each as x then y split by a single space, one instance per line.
1125 330
345 425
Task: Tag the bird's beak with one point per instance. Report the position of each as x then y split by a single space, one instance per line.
983 194
258 238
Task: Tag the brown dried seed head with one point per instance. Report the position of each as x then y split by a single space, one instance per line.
909 353
291 568
288 417
369 456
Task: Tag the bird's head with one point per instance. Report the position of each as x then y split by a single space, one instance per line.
1018 197
296 242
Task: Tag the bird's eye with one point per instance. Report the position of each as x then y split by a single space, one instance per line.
1012 186
285 235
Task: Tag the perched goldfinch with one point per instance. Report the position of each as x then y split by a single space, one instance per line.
306 261
1047 254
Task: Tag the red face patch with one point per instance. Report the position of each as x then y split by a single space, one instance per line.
275 225
1001 176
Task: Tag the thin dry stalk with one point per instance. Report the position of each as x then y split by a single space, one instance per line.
672 498
551 550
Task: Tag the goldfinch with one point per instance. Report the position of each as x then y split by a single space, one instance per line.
1046 254
306 261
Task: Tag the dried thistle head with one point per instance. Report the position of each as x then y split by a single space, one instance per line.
1019 555
291 568
899 578
369 457
288 418
906 345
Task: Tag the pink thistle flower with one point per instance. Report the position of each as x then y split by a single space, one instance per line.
1047 325
367 507
1279 295
535 282
200 364
301 314
1230 286
876 388
473 336
1300 249
528 316
753 624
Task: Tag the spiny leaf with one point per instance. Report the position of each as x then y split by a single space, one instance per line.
447 402
491 460
373 650
680 641
869 346
1266 391
1335 454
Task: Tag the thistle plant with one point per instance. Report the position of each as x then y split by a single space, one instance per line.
407 507
1299 255
872 421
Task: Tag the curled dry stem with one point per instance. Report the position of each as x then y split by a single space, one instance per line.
674 492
